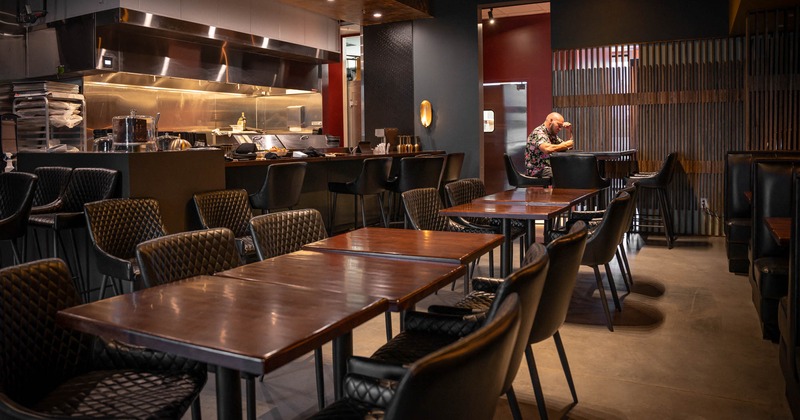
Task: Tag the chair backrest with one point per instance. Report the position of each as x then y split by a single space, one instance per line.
602 244
452 167
86 185
282 186
53 181
117 225
565 255
287 231
36 353
186 254
419 172
518 179
528 284
772 192
463 191
739 178
576 170
665 174
224 208
422 209
16 197
463 379
373 176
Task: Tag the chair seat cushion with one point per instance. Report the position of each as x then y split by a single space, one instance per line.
772 276
738 230
123 394
410 346
342 187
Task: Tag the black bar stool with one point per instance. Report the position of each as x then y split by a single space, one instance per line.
658 181
371 181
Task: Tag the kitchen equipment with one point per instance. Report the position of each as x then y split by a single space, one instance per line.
179 144
164 140
103 144
133 129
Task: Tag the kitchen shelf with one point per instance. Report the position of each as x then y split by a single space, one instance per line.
36 129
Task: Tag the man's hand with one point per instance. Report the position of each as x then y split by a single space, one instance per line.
568 144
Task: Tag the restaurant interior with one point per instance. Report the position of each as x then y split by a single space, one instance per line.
283 209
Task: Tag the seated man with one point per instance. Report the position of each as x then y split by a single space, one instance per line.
543 141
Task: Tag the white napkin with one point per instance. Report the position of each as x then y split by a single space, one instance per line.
381 149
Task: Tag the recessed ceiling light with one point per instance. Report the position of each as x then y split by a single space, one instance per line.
377 14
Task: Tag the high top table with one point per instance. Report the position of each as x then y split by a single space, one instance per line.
237 325
425 245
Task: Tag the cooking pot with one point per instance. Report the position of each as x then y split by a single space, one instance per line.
133 128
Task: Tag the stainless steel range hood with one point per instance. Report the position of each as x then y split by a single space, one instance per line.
125 40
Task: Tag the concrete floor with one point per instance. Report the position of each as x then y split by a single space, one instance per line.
687 345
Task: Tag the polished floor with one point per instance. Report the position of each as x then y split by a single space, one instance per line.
686 345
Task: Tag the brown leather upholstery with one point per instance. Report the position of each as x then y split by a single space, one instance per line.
282 187
422 209
565 255
51 372
16 197
229 209
287 231
459 381
52 182
426 332
520 180
116 226
186 254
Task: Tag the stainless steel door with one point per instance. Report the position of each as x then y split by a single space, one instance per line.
507 133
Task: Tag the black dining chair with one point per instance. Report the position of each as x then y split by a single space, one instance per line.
229 209
565 255
371 181
415 172
52 372
66 214
16 196
518 179
428 332
287 231
459 381
52 182
281 188
451 171
116 227
580 171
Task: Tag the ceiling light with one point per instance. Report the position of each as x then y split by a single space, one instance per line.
491 17
377 14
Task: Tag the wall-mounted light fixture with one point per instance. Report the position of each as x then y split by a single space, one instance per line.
491 16
425 113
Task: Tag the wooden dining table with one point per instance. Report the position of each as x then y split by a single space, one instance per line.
780 228
236 325
530 204
409 244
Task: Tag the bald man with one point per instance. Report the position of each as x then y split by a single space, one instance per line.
543 141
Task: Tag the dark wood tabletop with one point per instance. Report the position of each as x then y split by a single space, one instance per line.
780 228
540 196
458 247
237 325
402 282
249 326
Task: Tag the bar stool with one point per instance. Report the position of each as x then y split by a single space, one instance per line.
53 181
371 181
16 196
415 172
281 188
658 181
578 170
451 171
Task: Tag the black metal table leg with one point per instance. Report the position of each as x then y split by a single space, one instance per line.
229 393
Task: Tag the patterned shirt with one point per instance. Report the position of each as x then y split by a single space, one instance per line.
535 159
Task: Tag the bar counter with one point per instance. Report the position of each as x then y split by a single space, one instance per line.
172 177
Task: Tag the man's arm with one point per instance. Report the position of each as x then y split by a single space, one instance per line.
552 148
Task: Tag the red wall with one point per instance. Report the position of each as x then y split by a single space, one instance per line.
333 100
518 49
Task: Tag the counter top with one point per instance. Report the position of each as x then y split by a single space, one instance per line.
338 157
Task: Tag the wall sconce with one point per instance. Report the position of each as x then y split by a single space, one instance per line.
425 113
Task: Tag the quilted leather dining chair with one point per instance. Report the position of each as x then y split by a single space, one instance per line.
518 179
428 332
229 209
52 182
116 226
565 255
459 381
66 213
287 231
282 187
52 372
16 196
